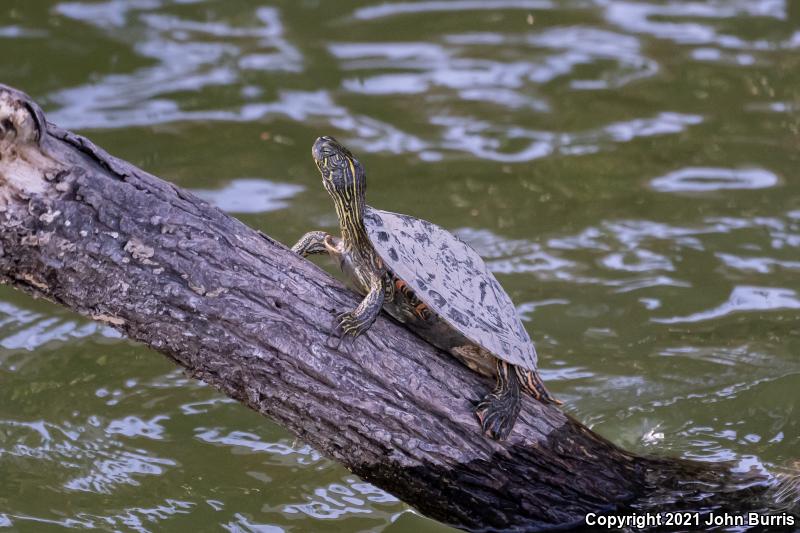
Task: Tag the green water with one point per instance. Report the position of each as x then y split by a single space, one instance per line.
628 169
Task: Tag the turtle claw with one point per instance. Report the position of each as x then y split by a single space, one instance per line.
495 418
350 325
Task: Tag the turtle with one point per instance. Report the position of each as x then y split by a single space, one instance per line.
429 280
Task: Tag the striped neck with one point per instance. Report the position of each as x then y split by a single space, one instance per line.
350 212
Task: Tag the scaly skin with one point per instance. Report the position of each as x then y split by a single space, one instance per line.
358 320
344 179
499 409
311 243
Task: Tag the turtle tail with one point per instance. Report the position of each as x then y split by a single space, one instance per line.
533 385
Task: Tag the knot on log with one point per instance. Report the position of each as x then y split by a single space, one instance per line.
21 120
24 165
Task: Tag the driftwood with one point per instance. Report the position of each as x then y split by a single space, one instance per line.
239 311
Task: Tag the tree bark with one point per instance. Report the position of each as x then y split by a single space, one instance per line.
239 311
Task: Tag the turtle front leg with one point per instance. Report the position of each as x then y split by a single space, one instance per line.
311 243
498 412
359 320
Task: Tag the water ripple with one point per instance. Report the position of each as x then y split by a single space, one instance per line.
121 468
107 463
648 232
139 519
21 329
339 499
743 299
649 18
486 140
15 32
404 8
704 179
253 443
189 55
505 256
250 195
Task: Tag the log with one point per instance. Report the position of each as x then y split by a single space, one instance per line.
240 312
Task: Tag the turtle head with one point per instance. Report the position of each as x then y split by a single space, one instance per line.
342 174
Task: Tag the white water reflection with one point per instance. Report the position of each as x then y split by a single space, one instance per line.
566 48
121 467
243 524
105 14
13 32
506 256
743 299
637 260
463 87
486 140
204 406
107 463
192 55
540 57
390 9
732 357
21 329
705 179
654 19
631 256
189 55
250 195
773 107
762 265
720 56
341 499
134 426
138 519
252 442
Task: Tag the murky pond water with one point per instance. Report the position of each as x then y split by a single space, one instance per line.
629 169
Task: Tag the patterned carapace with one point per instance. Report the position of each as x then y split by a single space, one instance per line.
452 279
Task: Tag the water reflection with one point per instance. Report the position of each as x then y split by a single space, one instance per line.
242 524
133 426
761 265
250 195
14 32
193 55
340 499
253 443
28 330
122 467
654 19
106 463
744 299
704 179
138 519
566 49
643 216
630 250
187 55
389 9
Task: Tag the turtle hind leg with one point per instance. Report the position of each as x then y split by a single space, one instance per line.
498 412
533 385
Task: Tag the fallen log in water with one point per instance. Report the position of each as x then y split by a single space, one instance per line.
241 312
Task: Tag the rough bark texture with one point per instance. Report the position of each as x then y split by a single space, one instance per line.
241 312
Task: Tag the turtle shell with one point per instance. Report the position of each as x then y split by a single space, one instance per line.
452 279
